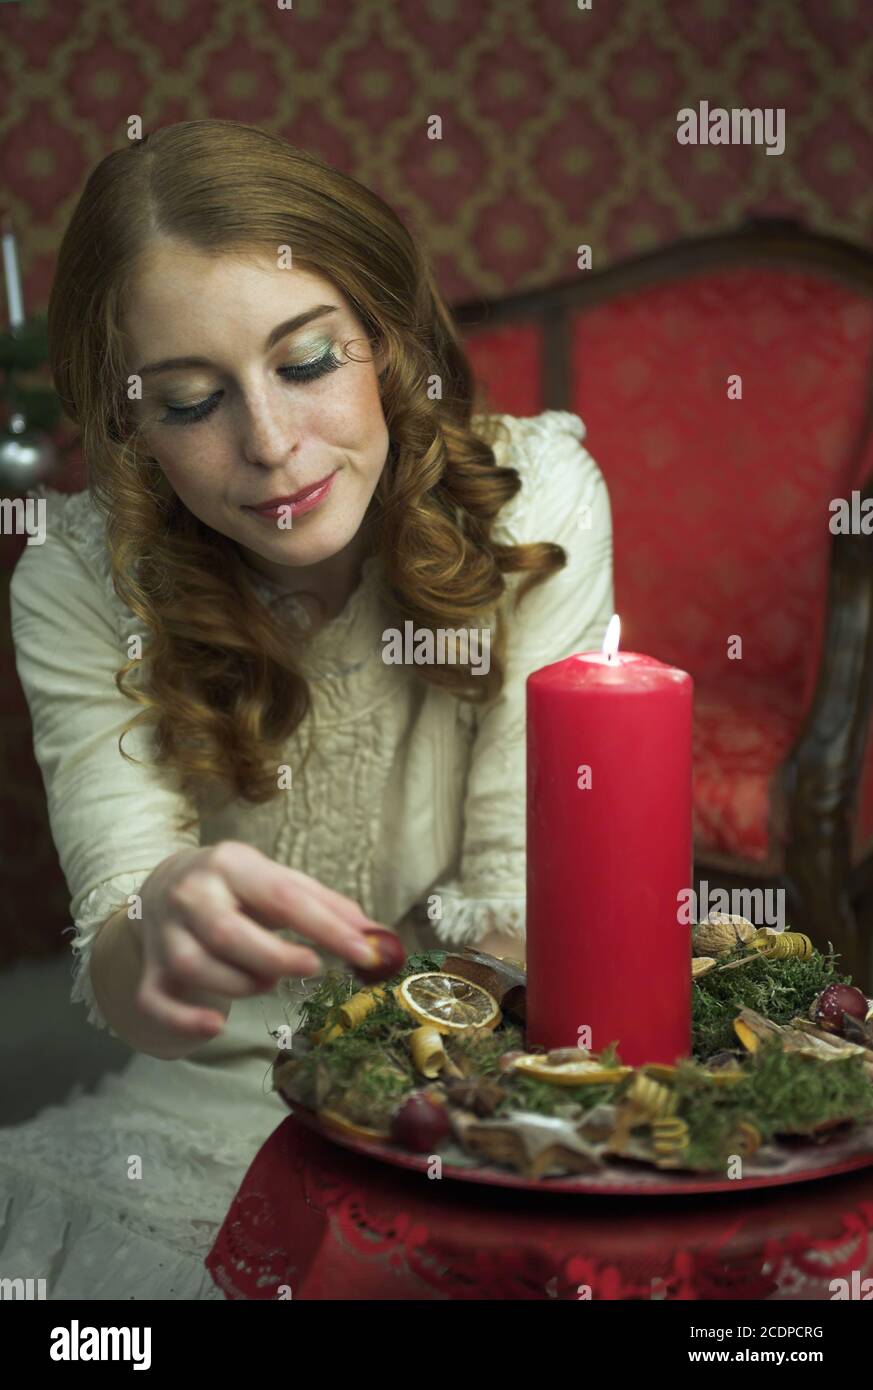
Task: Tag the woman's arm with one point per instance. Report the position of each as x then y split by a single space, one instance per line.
210 914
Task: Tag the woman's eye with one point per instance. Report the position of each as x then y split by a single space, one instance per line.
309 371
187 414
299 371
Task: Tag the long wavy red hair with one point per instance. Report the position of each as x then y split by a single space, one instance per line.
217 679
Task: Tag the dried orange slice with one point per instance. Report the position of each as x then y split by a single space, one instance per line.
448 1003
581 1073
337 1121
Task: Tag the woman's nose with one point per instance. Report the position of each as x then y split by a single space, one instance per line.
269 435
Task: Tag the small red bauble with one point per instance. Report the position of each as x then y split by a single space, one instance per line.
835 1001
391 956
420 1124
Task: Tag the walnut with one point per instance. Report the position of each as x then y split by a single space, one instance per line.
720 933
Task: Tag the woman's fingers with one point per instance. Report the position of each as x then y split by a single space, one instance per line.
231 936
206 905
189 1020
287 899
186 965
346 908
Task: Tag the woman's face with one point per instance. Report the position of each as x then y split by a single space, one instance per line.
244 404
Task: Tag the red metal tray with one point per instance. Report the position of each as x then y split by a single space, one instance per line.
804 1162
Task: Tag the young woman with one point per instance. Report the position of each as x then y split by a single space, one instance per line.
285 471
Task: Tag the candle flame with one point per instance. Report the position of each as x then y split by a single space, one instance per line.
612 636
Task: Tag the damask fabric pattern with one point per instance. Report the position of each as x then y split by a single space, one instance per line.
722 509
558 123
400 797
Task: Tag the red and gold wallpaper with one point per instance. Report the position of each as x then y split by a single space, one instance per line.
558 122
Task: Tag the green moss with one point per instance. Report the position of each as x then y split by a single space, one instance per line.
785 1092
337 986
332 990
778 989
781 1093
376 1087
480 1056
527 1093
368 1070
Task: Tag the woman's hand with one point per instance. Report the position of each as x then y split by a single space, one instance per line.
207 932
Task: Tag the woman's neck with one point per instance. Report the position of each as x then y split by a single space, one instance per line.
324 588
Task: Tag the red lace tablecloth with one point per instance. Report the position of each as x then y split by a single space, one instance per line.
329 1224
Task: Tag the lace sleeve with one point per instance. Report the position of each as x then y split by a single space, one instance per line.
89 911
563 499
112 820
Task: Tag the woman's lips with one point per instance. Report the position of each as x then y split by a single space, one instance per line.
300 502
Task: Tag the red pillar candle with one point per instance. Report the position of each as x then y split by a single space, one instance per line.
609 851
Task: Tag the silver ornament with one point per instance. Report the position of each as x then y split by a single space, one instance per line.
27 457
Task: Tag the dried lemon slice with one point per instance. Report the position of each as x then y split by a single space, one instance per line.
447 1002
581 1073
701 965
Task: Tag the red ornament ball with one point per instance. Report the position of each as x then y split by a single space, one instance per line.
420 1124
837 1000
391 956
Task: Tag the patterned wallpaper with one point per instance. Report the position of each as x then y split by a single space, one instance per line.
558 122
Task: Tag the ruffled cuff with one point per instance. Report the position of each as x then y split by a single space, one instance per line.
89 911
467 920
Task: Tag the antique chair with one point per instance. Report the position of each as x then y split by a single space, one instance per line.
721 521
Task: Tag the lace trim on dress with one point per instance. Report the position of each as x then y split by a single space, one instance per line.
535 435
88 916
467 921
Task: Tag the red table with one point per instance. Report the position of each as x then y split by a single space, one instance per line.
331 1224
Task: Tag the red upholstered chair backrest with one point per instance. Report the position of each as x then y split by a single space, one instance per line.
720 506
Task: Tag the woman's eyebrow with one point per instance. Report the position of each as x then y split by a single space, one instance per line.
281 330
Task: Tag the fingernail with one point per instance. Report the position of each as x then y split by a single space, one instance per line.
365 952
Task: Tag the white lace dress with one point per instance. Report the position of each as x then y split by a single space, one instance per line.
407 792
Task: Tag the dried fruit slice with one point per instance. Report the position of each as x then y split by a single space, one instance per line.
701 965
447 1002
724 1076
583 1072
337 1121
355 1009
327 1033
428 1052
660 1071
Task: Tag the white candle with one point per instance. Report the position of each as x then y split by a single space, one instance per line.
14 297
